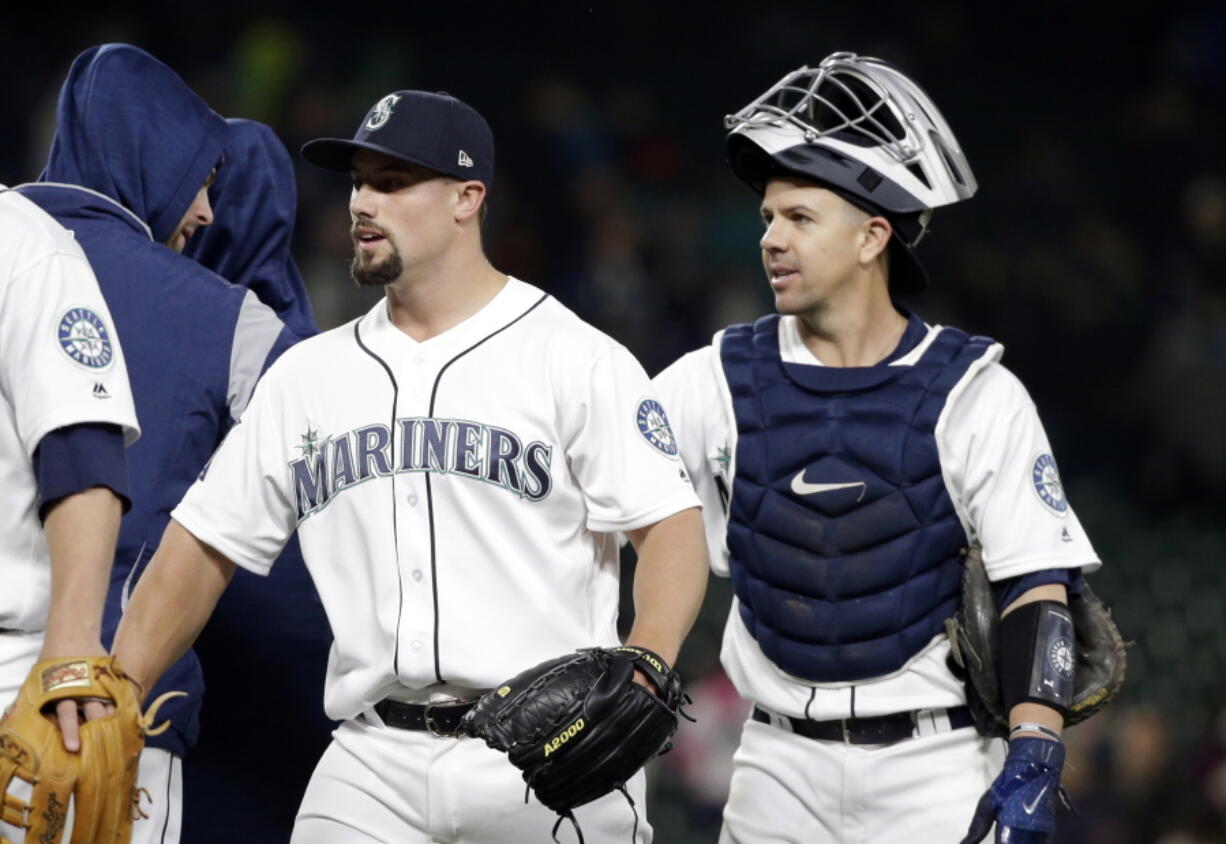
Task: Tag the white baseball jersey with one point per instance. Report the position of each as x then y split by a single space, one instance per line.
457 500
60 364
998 470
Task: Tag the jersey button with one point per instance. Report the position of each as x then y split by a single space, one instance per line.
417 574
416 646
412 500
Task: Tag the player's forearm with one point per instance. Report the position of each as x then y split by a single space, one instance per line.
171 604
81 530
670 580
1030 712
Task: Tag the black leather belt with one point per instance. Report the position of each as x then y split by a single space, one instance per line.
439 719
883 729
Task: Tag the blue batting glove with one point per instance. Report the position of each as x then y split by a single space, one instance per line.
1022 800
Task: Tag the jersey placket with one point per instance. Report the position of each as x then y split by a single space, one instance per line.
416 629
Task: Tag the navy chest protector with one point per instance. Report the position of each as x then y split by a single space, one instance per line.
844 542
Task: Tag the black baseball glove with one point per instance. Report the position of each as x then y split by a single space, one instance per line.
578 726
975 653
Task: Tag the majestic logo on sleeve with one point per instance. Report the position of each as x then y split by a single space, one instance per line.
84 338
653 425
1046 478
382 112
332 464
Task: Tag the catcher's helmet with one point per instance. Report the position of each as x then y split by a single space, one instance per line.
865 131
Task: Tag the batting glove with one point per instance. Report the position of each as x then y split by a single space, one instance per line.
1022 800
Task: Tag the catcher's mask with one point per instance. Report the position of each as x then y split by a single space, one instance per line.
862 129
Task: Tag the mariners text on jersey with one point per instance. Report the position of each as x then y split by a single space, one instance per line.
484 453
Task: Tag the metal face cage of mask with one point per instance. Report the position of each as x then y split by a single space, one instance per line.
853 110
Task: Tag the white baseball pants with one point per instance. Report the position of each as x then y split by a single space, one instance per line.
383 784
788 789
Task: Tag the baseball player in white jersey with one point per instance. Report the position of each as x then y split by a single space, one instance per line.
847 454
66 413
458 463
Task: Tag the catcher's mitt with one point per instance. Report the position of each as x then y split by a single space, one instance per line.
578 726
100 778
975 651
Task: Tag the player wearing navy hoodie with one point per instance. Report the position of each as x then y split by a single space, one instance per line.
133 155
259 620
255 201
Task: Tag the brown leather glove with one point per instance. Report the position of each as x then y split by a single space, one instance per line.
100 778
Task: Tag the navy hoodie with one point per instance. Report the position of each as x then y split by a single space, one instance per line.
132 148
255 201
268 638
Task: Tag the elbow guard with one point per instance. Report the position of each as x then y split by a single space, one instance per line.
1037 657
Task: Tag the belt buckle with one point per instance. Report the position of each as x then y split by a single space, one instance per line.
431 726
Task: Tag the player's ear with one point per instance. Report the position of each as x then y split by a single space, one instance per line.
470 197
875 235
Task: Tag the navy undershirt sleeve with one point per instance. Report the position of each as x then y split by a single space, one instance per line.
74 458
1008 591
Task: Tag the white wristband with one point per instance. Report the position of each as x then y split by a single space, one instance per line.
1031 727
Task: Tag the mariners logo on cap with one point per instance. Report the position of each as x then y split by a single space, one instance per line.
653 425
382 112
84 338
1046 478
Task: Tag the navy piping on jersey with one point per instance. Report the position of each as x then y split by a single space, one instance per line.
429 492
170 778
395 529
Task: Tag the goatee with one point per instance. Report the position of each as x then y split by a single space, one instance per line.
376 273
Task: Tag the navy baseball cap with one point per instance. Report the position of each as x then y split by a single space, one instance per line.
435 130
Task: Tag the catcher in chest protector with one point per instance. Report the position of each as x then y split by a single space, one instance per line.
848 455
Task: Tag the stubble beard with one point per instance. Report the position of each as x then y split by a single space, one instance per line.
376 273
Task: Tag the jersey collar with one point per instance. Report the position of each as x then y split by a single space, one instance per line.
515 297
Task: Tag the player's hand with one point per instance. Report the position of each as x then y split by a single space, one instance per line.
640 676
1022 800
69 714
641 679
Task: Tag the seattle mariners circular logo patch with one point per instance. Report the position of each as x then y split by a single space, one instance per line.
1046 478
84 338
1060 654
653 425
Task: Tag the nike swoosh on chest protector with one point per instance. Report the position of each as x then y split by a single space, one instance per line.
801 487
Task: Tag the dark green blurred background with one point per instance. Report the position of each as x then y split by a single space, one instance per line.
1095 251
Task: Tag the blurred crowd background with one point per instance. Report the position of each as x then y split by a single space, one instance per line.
1095 251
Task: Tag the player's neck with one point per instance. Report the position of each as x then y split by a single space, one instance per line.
429 299
858 327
